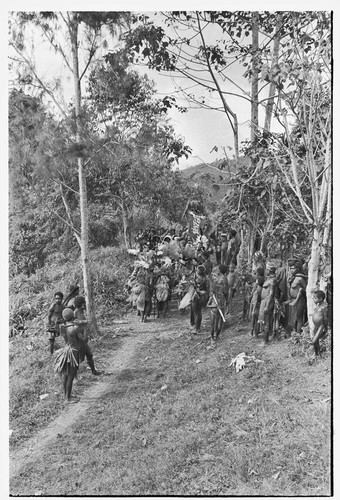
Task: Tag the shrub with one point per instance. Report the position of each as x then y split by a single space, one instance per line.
30 296
301 345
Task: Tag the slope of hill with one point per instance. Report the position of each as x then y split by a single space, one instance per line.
170 416
215 177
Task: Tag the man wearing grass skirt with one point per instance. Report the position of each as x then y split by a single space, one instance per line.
68 359
199 298
218 301
269 296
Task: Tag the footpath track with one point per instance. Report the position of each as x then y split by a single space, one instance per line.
139 334
286 392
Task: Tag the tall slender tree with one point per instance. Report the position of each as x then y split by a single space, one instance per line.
69 34
304 83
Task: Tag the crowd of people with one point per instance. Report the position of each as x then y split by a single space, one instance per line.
199 268
202 269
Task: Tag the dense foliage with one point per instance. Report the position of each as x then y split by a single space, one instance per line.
129 148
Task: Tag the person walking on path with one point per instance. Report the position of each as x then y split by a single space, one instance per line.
234 244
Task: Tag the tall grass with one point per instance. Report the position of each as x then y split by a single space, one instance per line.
30 297
30 366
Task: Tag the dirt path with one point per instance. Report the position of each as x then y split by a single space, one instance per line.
134 336
139 334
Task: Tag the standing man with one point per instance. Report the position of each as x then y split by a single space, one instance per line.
268 294
67 361
297 301
218 301
54 319
199 298
224 249
233 247
233 279
80 319
215 238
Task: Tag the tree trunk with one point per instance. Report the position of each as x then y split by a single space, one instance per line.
263 246
235 136
252 234
251 243
328 217
243 253
84 238
126 226
313 271
272 86
255 79
324 275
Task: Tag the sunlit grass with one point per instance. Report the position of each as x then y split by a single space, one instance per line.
170 425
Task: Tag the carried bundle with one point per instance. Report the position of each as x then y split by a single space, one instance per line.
189 251
181 286
175 250
140 303
64 359
186 301
141 263
162 289
135 291
166 263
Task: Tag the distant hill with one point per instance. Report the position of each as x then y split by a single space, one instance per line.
214 177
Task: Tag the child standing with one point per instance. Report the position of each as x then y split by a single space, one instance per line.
55 318
319 318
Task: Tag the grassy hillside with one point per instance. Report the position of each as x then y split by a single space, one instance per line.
176 419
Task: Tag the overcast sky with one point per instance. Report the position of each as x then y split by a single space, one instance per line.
203 130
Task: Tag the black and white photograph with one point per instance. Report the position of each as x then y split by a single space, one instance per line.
169 199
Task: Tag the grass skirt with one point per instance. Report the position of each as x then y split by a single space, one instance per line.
66 358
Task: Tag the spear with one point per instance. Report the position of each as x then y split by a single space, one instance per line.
218 308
